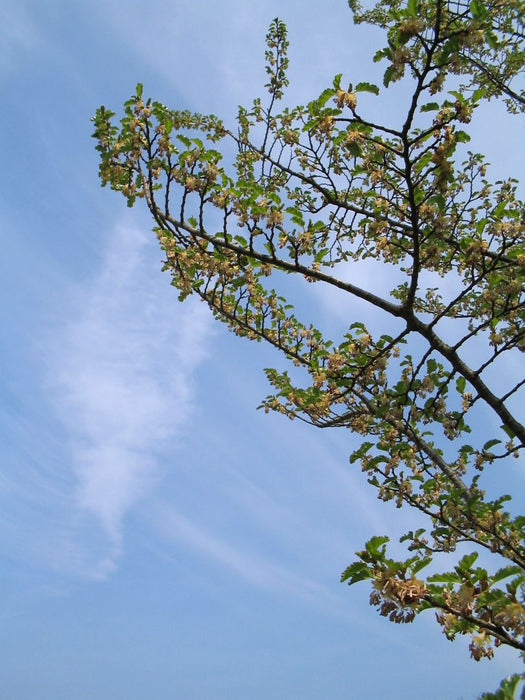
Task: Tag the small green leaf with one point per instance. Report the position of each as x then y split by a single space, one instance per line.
367 87
375 542
478 10
465 563
421 565
387 77
382 53
359 453
505 572
480 226
460 384
449 577
450 47
412 8
184 139
439 200
507 688
499 210
323 98
478 94
358 571
509 431
375 461
354 149
491 443
462 137
429 107
492 39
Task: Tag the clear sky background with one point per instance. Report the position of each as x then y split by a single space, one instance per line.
159 537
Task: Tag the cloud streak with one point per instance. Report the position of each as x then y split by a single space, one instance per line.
123 379
250 565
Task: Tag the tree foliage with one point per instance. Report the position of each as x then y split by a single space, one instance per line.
311 191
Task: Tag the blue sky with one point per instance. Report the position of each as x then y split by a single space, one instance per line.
160 538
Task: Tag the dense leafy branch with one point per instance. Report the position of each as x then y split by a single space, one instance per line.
311 192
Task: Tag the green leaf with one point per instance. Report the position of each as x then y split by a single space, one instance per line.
323 98
460 384
449 577
431 365
296 215
499 210
359 453
505 572
358 571
462 137
429 107
480 226
337 81
507 688
387 77
367 87
439 200
376 460
492 39
478 10
412 8
139 90
478 94
465 563
412 535
421 565
354 149
375 542
450 47
491 443
509 431
382 53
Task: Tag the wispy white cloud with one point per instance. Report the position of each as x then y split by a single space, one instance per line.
122 379
344 309
250 565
